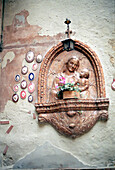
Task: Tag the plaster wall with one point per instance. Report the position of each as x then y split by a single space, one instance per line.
0 17
38 26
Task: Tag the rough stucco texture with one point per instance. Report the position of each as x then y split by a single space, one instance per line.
39 25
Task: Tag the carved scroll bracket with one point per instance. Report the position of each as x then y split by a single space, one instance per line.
73 117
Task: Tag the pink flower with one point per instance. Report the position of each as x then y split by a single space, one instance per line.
63 82
60 77
63 78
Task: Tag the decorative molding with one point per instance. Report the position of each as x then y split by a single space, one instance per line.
73 104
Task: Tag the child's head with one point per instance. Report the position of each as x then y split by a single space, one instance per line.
84 73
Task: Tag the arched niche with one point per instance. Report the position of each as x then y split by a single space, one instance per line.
54 53
65 115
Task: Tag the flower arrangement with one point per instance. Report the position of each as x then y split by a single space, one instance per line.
66 86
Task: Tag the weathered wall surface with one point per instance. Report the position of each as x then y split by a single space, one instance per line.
38 26
0 17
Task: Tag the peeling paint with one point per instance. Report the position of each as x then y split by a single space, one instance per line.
20 19
7 58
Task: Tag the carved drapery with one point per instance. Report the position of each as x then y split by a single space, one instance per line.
72 117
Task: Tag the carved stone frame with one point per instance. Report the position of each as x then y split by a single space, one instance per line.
49 112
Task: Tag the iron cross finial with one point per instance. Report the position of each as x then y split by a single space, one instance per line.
68 32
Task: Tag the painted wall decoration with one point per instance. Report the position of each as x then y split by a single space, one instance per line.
23 94
17 77
34 67
31 87
15 88
39 58
31 76
30 98
71 90
24 70
15 98
23 84
29 57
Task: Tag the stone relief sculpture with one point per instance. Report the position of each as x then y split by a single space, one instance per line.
84 84
70 80
68 75
71 89
80 72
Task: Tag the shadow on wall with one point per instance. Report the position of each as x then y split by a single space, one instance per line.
48 156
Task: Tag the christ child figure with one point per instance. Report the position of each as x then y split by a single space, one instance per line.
84 84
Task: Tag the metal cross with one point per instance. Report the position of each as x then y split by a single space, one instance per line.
68 32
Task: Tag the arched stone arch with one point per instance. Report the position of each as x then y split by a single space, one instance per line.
55 51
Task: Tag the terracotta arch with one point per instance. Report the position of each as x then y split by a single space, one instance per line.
55 51
72 117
